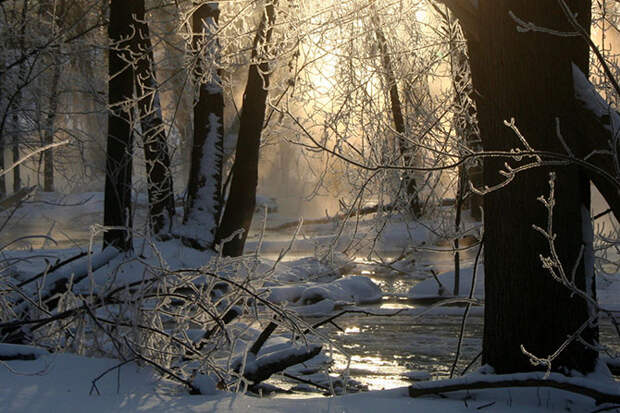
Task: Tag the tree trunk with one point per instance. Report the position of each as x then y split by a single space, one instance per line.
204 203
17 182
2 180
117 205
527 76
48 138
407 151
157 157
242 198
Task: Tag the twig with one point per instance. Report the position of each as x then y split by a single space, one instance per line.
467 308
94 381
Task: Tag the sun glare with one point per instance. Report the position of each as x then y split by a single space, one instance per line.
420 14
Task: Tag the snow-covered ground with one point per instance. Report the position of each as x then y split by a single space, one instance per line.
415 342
68 383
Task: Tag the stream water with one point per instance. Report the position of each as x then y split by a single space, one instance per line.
382 350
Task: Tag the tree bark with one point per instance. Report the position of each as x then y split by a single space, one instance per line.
119 151
242 198
17 182
157 157
527 76
204 203
48 155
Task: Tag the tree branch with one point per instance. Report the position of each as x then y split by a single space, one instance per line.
601 394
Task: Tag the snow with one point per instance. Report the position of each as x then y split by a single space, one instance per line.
199 222
430 289
207 384
586 93
418 375
64 383
348 290
310 286
14 351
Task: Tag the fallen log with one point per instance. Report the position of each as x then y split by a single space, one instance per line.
600 392
362 211
58 282
16 197
262 368
53 268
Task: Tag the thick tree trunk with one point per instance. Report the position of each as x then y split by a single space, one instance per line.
117 205
204 203
156 154
527 76
407 150
242 198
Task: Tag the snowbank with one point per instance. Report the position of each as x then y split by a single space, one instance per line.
348 290
431 289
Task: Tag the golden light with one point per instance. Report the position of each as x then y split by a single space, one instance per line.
421 14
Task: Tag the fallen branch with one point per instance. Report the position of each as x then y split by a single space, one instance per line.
601 394
15 198
51 269
58 282
264 367
363 211
263 337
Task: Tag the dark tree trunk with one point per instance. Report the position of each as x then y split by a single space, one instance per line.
527 76
17 181
242 198
204 203
157 157
407 152
48 138
2 144
117 205
2 180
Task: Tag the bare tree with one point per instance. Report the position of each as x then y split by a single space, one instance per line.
204 203
117 207
157 158
242 197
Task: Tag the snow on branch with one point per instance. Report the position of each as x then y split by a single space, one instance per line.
601 392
